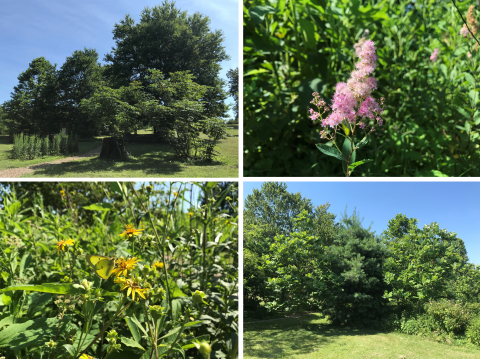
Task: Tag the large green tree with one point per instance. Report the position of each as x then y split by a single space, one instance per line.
33 104
422 262
78 78
169 40
232 76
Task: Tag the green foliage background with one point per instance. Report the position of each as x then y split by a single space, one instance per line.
198 249
299 259
293 48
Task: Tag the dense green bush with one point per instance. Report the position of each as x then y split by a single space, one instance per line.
293 48
473 331
448 316
30 147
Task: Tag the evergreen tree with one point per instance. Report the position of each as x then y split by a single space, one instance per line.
356 280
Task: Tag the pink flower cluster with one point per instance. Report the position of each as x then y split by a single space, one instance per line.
434 56
464 31
353 99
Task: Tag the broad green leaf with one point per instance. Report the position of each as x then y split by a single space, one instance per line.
330 151
176 309
99 207
463 113
255 72
54 288
133 329
257 13
358 163
6 319
137 323
70 349
25 262
37 302
6 300
469 78
33 333
308 30
131 343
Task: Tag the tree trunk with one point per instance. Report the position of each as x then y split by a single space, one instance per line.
113 149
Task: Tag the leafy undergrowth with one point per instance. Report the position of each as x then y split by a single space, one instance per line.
118 270
285 338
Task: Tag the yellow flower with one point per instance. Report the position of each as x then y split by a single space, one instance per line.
175 194
190 214
85 356
130 231
158 264
62 193
123 265
61 245
227 222
133 287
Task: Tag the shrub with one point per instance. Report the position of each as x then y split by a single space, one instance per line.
473 331
45 147
31 147
388 323
56 144
449 316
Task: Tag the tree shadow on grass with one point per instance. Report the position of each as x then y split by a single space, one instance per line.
5 140
151 159
285 337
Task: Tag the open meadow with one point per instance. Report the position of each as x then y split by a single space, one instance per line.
147 160
285 338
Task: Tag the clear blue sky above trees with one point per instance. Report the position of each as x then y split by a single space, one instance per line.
55 29
454 205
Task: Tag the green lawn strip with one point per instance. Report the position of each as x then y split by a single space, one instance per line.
284 338
6 148
150 160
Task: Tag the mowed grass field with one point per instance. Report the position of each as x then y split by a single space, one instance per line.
284 338
149 160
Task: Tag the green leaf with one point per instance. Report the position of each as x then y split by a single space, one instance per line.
257 13
38 302
330 151
176 309
54 288
25 262
6 300
469 78
133 329
70 349
99 207
137 323
131 343
362 143
308 30
463 113
33 333
358 163
347 151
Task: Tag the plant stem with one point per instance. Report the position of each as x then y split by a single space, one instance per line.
103 329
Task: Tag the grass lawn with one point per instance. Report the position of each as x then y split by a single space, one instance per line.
6 148
284 338
150 160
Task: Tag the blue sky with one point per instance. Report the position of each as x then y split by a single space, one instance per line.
54 29
454 205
